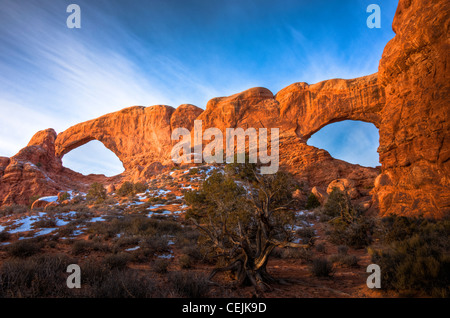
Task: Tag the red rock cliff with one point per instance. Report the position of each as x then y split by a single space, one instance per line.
407 100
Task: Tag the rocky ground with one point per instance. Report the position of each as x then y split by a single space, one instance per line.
85 231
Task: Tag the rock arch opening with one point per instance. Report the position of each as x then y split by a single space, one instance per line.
93 158
353 141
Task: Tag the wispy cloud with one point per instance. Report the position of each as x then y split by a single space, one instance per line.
52 76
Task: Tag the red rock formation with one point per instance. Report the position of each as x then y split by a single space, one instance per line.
414 131
407 100
137 135
36 171
311 107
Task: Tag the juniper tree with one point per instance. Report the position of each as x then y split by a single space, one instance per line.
243 220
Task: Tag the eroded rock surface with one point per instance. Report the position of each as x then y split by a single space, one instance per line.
407 100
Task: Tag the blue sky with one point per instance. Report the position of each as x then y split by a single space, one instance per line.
174 52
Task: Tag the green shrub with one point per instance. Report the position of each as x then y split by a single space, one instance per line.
339 205
193 171
126 189
64 196
97 193
140 187
357 234
312 202
348 226
416 259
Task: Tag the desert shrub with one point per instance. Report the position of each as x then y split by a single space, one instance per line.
156 244
36 276
126 189
81 207
100 282
312 202
110 201
345 260
342 249
80 247
67 230
398 228
136 225
296 253
23 248
97 193
13 209
188 284
127 284
339 205
187 237
307 234
416 259
4 236
320 248
44 223
348 226
116 261
160 265
193 251
168 226
129 188
127 241
185 261
64 196
357 234
108 229
322 267
140 187
141 255
193 171
290 252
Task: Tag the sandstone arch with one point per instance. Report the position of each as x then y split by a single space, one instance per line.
407 100
312 107
138 136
